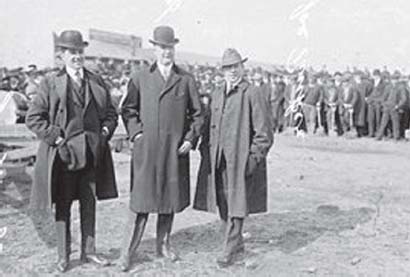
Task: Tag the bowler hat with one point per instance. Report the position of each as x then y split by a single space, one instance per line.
396 75
32 68
164 35
71 39
231 56
377 72
359 73
13 73
257 76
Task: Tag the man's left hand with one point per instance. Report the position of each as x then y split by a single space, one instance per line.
105 132
185 148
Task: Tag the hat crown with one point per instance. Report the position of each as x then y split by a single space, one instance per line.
71 39
231 56
396 74
164 35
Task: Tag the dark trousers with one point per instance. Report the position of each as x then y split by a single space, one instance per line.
233 239
393 115
347 119
310 113
135 229
404 122
373 118
73 185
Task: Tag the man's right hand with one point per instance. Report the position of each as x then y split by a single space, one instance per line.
137 136
64 153
59 141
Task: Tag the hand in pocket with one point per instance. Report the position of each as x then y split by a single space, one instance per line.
251 165
64 153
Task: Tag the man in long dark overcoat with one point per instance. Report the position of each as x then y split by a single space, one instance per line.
162 114
235 142
363 89
73 117
375 103
394 103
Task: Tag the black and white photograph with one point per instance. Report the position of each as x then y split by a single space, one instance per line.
205 138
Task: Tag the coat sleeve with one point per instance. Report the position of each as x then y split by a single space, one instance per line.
130 110
322 95
194 113
261 129
38 115
369 89
111 118
355 95
402 98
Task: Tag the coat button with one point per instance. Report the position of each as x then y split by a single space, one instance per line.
213 126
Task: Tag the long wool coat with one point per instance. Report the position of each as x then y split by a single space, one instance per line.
360 108
47 118
250 122
167 113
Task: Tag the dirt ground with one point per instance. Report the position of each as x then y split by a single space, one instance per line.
337 207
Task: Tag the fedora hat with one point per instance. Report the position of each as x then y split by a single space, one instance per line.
231 56
72 40
164 35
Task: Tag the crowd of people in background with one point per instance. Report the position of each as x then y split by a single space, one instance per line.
349 103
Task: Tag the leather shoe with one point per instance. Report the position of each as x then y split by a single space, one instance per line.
166 252
225 260
62 265
228 259
125 263
95 259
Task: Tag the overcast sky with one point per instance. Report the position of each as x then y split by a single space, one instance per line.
338 33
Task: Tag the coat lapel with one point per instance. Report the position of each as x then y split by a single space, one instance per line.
92 90
61 90
159 81
219 100
172 80
242 86
218 104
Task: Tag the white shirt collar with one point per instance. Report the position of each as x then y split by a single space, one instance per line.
230 86
72 72
165 69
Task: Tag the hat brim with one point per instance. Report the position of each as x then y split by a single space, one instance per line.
233 63
156 42
71 46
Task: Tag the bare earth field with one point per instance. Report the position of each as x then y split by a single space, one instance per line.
337 207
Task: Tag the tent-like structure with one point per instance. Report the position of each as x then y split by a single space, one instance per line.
7 108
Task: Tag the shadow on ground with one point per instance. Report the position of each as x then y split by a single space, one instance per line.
286 232
16 205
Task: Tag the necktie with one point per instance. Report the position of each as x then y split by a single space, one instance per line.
77 78
165 74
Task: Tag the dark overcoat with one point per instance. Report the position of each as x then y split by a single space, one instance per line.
252 140
360 106
47 118
277 102
167 113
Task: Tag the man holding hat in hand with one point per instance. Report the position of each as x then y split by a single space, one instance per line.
73 117
163 118
235 142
